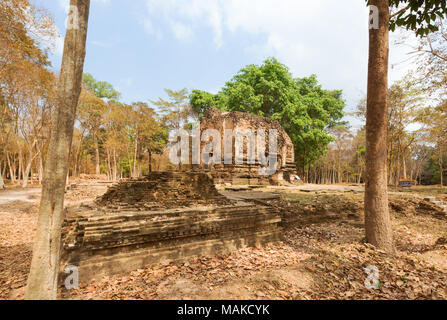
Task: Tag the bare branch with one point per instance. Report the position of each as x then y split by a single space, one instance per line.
400 11
434 52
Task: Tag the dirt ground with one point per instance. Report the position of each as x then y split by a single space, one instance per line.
322 255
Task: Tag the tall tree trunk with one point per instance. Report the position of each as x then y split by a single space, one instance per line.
97 161
115 169
377 217
398 167
134 170
150 161
12 169
3 170
404 167
40 169
441 169
390 173
40 164
43 277
77 164
27 169
19 174
2 183
109 166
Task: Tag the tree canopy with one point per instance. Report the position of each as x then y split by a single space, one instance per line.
301 105
101 89
417 15
176 110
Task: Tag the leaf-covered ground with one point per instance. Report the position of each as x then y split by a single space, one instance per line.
322 256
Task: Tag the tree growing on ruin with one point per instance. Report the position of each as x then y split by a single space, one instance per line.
301 105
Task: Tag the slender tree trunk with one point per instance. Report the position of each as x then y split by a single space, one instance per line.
40 164
134 170
97 161
43 277
377 217
19 174
27 169
77 165
404 167
398 167
3 170
389 170
75 168
307 174
339 174
40 169
2 183
150 161
12 169
441 169
109 166
115 167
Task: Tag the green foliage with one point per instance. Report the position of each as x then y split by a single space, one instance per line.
201 101
431 171
417 15
304 109
176 110
101 89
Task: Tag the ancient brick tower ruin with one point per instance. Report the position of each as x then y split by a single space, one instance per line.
166 216
246 173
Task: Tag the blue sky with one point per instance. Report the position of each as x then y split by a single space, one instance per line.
144 46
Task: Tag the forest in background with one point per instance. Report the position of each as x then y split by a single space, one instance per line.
117 139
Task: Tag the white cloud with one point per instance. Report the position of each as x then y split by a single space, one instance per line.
64 4
151 30
328 38
183 16
301 34
181 31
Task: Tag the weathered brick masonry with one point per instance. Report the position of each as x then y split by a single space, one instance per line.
164 217
248 174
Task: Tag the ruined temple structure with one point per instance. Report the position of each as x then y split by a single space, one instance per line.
248 173
166 216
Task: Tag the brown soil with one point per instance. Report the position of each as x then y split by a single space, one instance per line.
322 255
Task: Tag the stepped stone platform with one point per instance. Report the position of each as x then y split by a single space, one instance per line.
163 190
161 218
